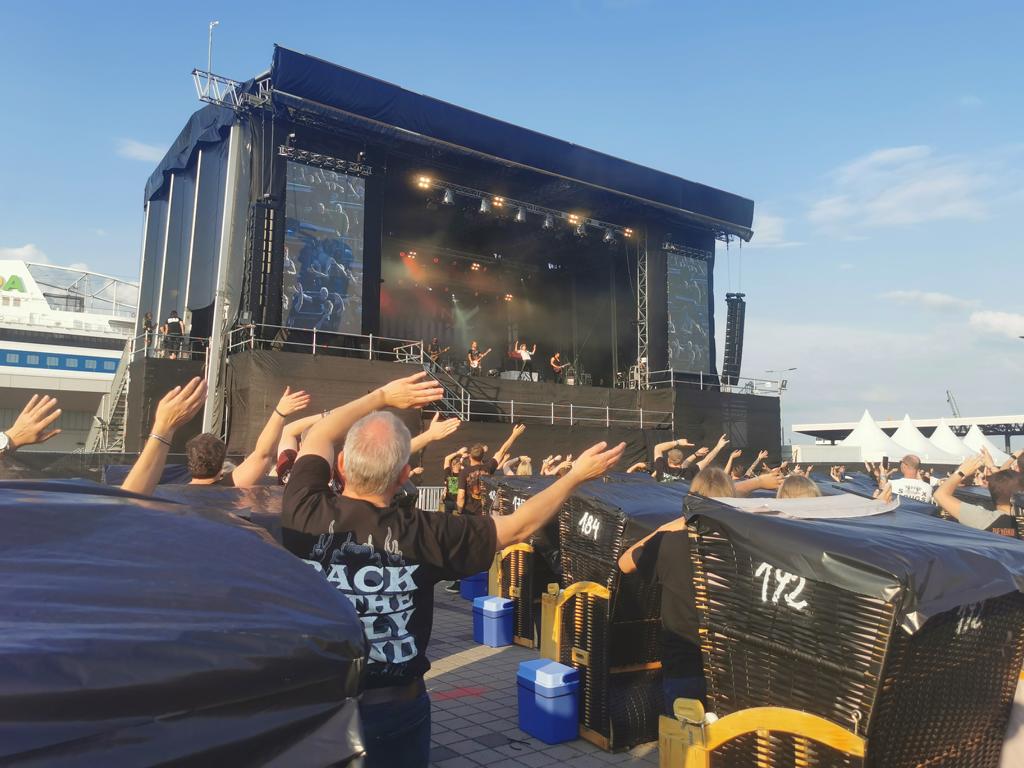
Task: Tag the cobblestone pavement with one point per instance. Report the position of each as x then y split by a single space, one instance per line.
475 719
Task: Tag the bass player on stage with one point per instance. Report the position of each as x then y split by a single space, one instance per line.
435 350
475 359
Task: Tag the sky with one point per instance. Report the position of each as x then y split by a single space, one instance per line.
881 143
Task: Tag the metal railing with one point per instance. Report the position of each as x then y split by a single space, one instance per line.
430 497
281 338
734 385
565 414
169 346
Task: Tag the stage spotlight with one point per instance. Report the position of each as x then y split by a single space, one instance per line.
499 202
549 222
423 182
581 230
508 297
627 232
485 205
574 219
449 197
520 216
475 266
609 236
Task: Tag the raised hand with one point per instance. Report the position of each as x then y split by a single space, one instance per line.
762 455
438 430
723 441
292 402
702 452
971 465
770 481
179 406
595 461
735 454
518 429
30 428
413 391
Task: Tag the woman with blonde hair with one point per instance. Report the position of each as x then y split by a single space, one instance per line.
525 467
798 487
714 483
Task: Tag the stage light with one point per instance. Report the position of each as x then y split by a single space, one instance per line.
437 260
410 254
627 232
520 216
499 202
581 230
423 182
508 297
574 219
609 236
485 205
549 222
449 197
475 266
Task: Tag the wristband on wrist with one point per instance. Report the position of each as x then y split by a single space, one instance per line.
160 439
279 413
961 473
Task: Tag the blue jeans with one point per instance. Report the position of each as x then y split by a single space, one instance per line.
397 734
683 688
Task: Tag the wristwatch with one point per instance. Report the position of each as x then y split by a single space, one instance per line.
5 444
961 473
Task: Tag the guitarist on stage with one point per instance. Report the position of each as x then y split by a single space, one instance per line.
558 366
475 359
434 351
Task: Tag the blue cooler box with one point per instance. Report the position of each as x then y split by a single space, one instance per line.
492 621
473 586
548 700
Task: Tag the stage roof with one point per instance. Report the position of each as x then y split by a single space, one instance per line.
989 425
307 83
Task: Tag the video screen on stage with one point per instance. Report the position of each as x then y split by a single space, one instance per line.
689 344
323 250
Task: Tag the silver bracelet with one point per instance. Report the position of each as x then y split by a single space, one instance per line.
160 439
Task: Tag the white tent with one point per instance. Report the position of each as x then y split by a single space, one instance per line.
945 440
872 441
910 436
976 440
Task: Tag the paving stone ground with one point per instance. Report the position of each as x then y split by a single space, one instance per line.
473 694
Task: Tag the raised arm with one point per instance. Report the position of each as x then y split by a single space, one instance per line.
706 461
258 463
293 431
752 469
517 430
438 430
943 495
627 563
176 408
660 448
536 511
732 457
413 391
769 481
451 457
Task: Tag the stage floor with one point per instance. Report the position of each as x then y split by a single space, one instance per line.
473 694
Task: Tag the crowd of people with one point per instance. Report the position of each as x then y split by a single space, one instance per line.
343 468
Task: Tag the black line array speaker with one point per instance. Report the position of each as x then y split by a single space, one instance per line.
736 313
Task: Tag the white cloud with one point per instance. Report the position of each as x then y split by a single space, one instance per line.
137 150
27 252
1005 323
930 299
770 232
902 186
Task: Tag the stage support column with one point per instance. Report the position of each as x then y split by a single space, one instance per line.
613 291
575 335
221 309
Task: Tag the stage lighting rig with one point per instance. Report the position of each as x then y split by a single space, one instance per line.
326 162
581 230
549 222
485 205
508 297
520 215
609 236
449 197
498 202
475 266
424 182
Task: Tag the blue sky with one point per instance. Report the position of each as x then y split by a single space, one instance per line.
881 143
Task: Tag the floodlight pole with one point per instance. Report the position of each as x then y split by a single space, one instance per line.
209 47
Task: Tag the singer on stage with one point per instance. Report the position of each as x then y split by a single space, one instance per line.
525 357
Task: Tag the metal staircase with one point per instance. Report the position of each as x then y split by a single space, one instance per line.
456 400
109 424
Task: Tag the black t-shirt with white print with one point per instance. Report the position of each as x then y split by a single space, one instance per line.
472 482
385 561
663 473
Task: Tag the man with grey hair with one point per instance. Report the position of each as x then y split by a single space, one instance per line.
386 560
911 486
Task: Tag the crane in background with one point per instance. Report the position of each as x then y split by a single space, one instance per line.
952 404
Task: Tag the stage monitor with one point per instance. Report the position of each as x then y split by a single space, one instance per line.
323 250
689 342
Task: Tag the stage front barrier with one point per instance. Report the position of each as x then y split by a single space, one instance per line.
781 737
901 629
313 341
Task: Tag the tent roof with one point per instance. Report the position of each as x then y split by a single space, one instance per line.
944 439
872 441
910 436
976 440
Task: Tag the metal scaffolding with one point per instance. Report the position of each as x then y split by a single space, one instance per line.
641 378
